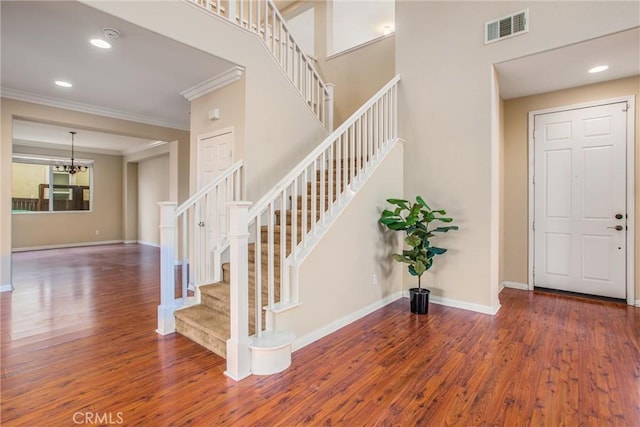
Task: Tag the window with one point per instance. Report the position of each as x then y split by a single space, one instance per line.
38 186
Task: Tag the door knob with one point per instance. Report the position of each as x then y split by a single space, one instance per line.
617 227
619 216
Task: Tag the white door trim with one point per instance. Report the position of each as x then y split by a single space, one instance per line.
209 135
631 116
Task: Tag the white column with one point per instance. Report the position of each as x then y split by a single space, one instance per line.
238 352
166 321
329 107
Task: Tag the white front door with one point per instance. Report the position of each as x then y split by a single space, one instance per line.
580 200
215 155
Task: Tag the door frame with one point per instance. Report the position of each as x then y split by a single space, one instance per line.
209 135
630 174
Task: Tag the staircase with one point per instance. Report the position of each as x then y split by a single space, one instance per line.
207 323
235 313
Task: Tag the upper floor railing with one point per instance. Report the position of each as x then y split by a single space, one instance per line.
261 17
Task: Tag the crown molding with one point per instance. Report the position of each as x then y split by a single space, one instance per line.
90 109
64 147
223 79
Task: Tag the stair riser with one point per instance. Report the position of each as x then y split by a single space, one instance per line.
318 199
278 215
265 257
217 303
264 236
337 187
334 172
209 342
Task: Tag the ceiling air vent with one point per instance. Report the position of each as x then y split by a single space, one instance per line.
508 26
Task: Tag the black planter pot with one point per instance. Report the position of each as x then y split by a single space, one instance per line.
419 298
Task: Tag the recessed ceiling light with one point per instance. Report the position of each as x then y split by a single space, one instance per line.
62 83
599 69
102 44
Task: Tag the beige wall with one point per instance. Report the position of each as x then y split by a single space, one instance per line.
153 187
231 102
339 271
67 228
501 278
130 200
446 112
358 74
27 179
516 165
40 113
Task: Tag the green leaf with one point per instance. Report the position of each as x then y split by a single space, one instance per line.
421 202
396 226
399 202
386 213
436 251
444 229
399 258
445 219
419 268
413 241
391 219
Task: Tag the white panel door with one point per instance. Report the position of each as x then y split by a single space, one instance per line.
580 200
215 156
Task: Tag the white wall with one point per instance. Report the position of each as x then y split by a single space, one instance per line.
359 21
301 26
452 155
153 187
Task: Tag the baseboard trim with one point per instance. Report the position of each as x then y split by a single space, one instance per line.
515 285
129 242
638 303
6 288
344 321
478 308
66 245
142 242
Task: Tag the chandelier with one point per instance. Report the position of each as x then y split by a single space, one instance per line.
72 169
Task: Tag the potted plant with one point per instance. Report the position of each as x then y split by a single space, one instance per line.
416 220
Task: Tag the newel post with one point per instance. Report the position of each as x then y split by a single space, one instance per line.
166 321
329 106
238 352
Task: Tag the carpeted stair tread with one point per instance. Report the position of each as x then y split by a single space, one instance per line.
204 326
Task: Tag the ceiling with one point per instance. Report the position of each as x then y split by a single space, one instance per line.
45 135
568 66
140 78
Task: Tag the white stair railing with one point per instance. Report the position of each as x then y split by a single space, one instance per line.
198 230
262 18
314 193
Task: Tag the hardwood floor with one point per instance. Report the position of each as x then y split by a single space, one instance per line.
79 347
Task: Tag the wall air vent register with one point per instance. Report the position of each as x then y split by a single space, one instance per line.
508 26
